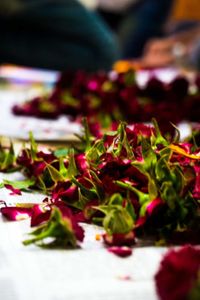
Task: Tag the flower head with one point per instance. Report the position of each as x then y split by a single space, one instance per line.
179 275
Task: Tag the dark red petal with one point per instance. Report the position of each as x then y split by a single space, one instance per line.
178 273
38 168
120 251
16 213
196 192
79 232
67 214
141 221
68 194
12 189
41 213
80 217
62 189
153 205
81 162
119 239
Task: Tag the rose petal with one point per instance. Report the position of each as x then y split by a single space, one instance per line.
78 230
119 239
120 251
178 273
40 214
196 192
12 189
153 205
81 162
140 221
16 213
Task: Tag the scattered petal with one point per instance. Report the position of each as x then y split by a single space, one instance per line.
119 239
120 251
13 190
16 213
40 213
125 277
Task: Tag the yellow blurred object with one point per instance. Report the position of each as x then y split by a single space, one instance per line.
181 151
186 10
98 237
123 66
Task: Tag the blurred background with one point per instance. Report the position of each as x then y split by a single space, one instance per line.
93 34
42 39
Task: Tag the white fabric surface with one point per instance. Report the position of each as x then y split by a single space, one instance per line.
19 126
61 129
89 273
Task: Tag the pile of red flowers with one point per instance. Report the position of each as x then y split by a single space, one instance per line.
116 96
132 181
178 277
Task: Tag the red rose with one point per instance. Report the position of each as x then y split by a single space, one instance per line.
178 274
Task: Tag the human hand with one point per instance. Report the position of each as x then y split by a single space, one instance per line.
163 52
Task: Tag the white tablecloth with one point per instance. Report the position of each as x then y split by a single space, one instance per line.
19 127
89 273
61 129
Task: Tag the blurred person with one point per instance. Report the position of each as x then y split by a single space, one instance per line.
182 42
177 49
135 22
54 34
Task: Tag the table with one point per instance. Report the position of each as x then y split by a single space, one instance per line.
89 273
92 273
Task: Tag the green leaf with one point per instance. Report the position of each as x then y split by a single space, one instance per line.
123 142
68 99
54 173
105 120
57 232
23 184
158 139
177 134
177 178
129 78
117 219
149 155
8 161
72 169
162 170
97 189
95 151
108 86
110 133
41 184
95 177
87 134
7 158
152 189
194 141
34 148
62 169
116 199
63 152
82 201
169 194
130 208
143 209
141 196
165 152
89 193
